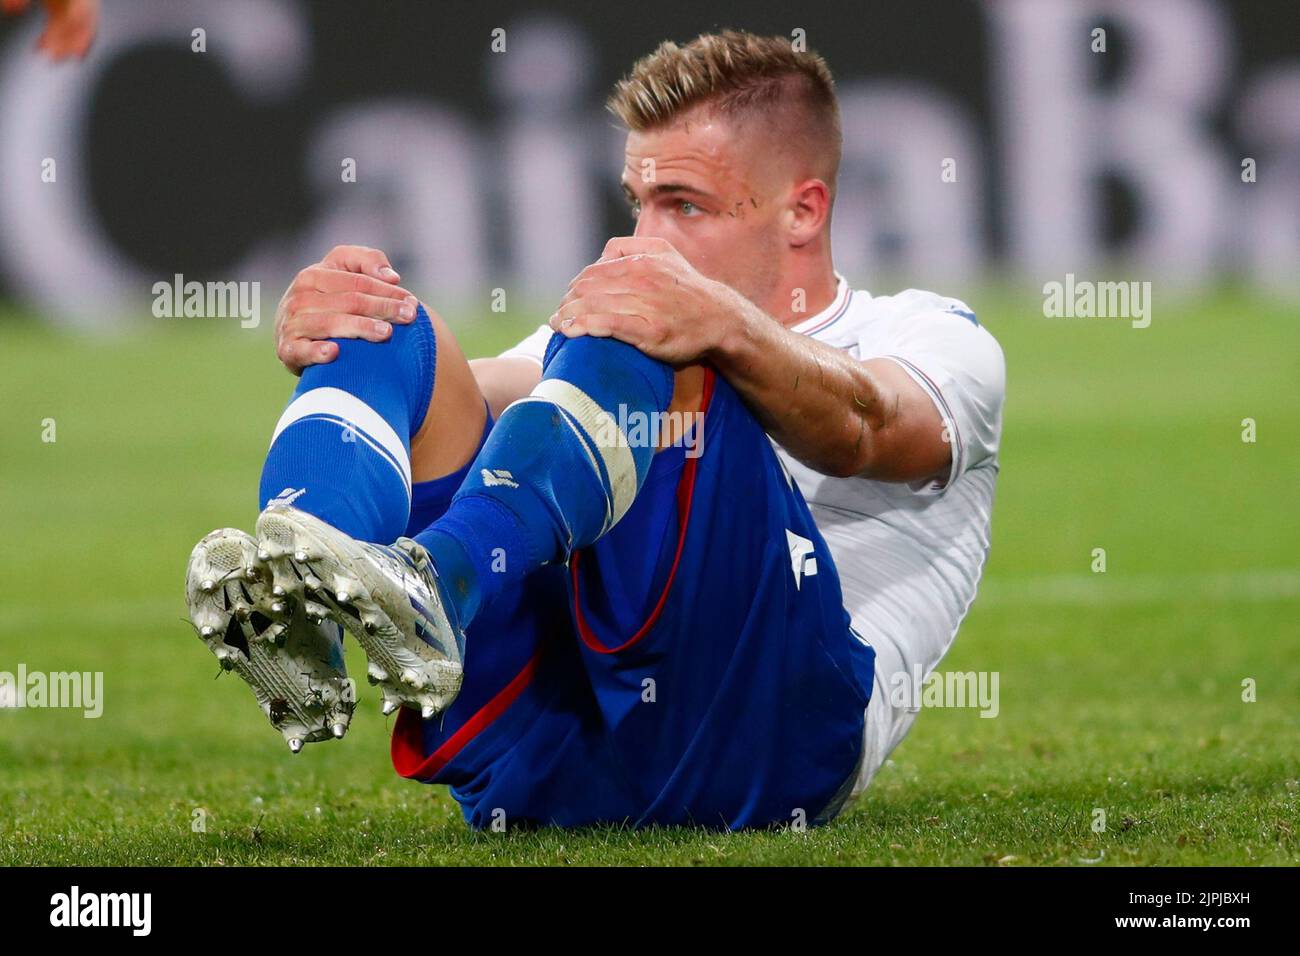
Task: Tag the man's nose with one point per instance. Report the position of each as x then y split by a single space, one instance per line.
648 225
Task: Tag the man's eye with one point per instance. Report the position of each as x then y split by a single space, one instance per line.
687 208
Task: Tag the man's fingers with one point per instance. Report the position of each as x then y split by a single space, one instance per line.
329 278
300 344
357 303
604 270
569 326
621 246
625 304
601 325
322 353
363 260
297 354
70 28
338 325
337 281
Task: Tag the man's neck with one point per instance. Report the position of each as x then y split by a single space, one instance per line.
818 285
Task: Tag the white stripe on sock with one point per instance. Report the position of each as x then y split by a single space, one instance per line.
347 410
586 450
597 423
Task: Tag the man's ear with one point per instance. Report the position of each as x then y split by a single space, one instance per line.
810 208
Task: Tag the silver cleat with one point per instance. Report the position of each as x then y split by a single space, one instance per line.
294 668
387 597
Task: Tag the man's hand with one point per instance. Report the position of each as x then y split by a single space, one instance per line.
69 29
838 415
350 294
643 292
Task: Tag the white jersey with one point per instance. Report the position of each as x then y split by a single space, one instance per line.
909 556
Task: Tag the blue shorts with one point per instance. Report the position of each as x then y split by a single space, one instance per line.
694 666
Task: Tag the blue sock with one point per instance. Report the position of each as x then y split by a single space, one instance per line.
342 449
555 474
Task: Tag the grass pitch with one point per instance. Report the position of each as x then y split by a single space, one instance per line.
1120 692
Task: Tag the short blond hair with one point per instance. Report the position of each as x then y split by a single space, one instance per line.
737 74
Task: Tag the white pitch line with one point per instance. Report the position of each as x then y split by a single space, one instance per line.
1116 588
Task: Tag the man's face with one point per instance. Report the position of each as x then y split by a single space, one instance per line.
703 187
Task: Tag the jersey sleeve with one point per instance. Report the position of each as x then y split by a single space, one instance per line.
533 347
960 367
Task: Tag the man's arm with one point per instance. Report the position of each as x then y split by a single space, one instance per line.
504 379
838 415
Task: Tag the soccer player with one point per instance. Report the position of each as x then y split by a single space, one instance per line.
662 561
